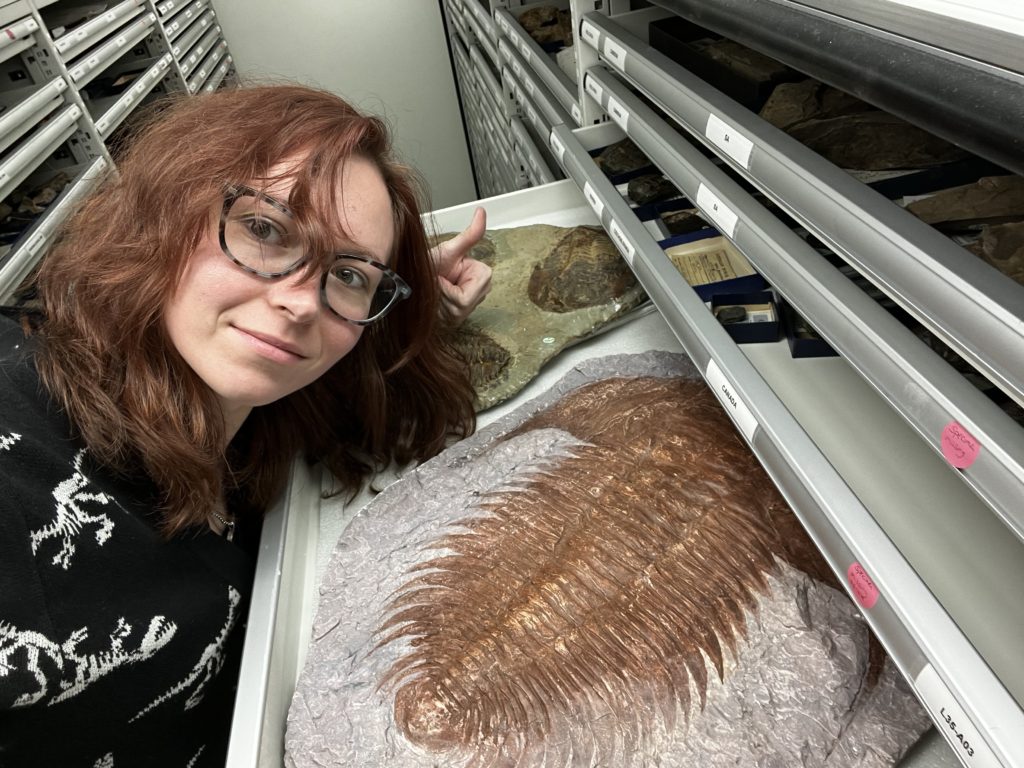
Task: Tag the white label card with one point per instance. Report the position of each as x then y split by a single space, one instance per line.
615 53
517 69
576 114
595 202
525 51
952 722
621 242
726 393
590 34
528 83
556 146
729 140
723 216
594 89
532 114
618 113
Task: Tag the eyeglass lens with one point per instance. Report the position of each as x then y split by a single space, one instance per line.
267 241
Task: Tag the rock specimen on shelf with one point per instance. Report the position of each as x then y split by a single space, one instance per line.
873 141
852 133
794 103
551 286
992 199
605 576
650 188
683 222
621 157
547 25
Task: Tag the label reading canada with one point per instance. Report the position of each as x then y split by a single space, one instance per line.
615 53
717 211
952 722
590 34
733 404
729 140
622 242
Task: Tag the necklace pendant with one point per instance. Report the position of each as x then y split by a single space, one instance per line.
229 530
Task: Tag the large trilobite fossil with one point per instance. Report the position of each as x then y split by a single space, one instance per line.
605 577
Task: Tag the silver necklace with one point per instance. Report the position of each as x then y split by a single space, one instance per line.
229 525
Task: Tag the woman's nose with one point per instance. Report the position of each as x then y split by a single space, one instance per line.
296 295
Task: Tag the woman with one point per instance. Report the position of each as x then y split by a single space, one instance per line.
254 284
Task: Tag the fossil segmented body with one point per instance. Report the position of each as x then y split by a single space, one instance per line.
583 270
488 361
606 578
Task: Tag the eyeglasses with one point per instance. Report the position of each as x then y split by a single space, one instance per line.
261 236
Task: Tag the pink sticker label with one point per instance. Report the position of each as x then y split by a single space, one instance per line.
959 446
863 587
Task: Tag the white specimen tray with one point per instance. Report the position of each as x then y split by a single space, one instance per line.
919 503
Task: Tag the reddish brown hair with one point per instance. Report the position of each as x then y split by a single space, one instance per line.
105 356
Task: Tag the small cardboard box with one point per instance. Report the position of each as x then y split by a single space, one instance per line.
760 322
804 340
712 264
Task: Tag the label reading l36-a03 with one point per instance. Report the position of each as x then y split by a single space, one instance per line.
952 722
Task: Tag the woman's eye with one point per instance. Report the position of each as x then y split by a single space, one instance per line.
350 277
265 231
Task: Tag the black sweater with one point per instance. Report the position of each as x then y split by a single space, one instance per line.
117 648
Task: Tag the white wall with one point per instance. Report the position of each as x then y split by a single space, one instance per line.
387 57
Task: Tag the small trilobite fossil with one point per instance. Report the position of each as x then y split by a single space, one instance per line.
583 270
488 361
574 612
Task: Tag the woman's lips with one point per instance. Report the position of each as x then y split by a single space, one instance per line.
272 347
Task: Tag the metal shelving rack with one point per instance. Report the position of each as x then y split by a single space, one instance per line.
505 127
60 116
939 610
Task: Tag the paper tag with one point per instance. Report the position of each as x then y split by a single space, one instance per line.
622 242
590 34
594 89
532 114
618 113
527 53
528 84
861 584
733 404
616 53
717 211
952 722
556 146
595 202
576 114
729 140
959 446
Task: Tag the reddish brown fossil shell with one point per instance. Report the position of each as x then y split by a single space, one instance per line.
605 582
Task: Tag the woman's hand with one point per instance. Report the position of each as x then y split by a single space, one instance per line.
464 280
